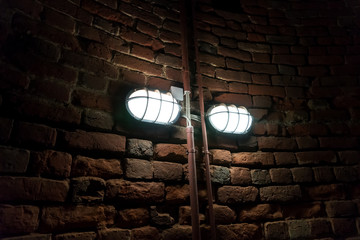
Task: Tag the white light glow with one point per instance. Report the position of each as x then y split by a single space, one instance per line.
230 119
153 106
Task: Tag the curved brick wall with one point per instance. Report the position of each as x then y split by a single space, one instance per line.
74 165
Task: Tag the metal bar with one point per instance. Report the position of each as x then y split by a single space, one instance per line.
194 203
203 129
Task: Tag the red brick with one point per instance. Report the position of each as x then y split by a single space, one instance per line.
211 19
67 218
121 190
280 193
228 42
289 59
159 83
255 37
11 78
173 49
260 212
99 50
51 90
169 60
6 126
253 159
284 158
31 8
76 235
92 82
34 134
106 13
53 112
208 37
166 13
338 142
99 67
233 75
221 157
147 28
260 79
145 233
234 53
340 208
281 175
241 230
316 157
177 194
254 47
95 141
261 68
311 31
308 130
169 37
173 74
109 3
92 100
137 64
240 176
173 152
236 87
212 60
138 168
323 174
214 84
325 60
234 64
277 143
349 157
167 171
33 189
134 217
135 12
349 69
346 173
302 174
326 192
343 227
266 90
18 219
307 143
114 233
310 71
236 194
59 20
276 230
142 52
261 58
51 163
232 98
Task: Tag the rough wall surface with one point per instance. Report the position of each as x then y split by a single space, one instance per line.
74 165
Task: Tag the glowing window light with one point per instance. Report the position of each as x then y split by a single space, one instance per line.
153 106
230 119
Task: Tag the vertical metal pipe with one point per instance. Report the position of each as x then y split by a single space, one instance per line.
203 128
194 203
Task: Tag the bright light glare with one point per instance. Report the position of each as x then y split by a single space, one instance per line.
153 106
230 119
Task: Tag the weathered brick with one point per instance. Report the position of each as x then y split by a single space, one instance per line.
98 119
137 12
242 230
87 189
260 212
284 158
213 60
260 177
343 227
32 236
240 176
316 157
171 152
325 60
276 230
281 175
177 194
280 193
18 219
76 236
338 142
134 217
349 157
296 60
106 13
114 233
167 171
145 233
95 141
307 142
312 71
232 98
34 134
266 90
323 174
169 37
89 99
320 227
118 189
6 126
66 218
138 168
304 210
261 68
340 208
326 192
92 82
254 47
253 159
234 53
308 130
102 168
220 174
224 214
299 229
133 63
221 157
235 194
33 189
13 160
178 232
51 163
302 174
276 143
346 174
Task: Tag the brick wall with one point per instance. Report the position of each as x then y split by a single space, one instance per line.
74 165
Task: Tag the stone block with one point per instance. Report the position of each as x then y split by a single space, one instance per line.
240 176
236 194
243 231
134 217
280 193
87 189
138 168
260 177
139 148
167 171
220 157
260 212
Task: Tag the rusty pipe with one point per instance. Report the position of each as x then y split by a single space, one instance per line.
194 203
203 128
